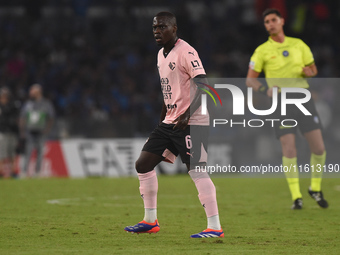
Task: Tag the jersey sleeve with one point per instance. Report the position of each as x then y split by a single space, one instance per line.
307 54
192 63
256 61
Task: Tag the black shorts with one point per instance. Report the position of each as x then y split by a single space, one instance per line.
191 143
305 123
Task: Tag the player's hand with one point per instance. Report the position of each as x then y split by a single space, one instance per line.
182 121
270 91
256 86
308 72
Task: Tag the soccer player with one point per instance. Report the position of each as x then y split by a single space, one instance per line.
286 57
181 118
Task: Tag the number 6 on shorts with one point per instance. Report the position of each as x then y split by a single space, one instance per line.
188 142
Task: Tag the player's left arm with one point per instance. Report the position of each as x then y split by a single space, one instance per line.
194 68
310 69
183 119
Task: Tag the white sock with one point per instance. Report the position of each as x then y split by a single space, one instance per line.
150 215
214 222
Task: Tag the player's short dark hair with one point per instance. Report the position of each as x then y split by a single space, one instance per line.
169 15
271 11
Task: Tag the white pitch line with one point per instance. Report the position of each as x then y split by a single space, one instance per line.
159 205
78 200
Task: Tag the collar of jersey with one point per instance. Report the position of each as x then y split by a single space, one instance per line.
178 39
277 43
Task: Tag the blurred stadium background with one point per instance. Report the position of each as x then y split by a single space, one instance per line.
96 61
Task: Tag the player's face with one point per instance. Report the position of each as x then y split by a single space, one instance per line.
273 24
163 31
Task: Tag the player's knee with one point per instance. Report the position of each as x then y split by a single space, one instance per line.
319 151
289 152
141 167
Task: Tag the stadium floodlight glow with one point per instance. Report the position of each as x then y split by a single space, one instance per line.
238 100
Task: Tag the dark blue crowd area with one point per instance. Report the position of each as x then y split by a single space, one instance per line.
96 60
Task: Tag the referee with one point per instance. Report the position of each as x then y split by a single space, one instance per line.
286 57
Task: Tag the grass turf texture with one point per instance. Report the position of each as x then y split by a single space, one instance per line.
255 215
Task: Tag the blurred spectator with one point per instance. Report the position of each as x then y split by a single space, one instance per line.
9 114
36 119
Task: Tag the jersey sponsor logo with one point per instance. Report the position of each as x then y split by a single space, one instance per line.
191 53
171 106
316 119
172 65
195 64
285 53
164 81
273 57
166 88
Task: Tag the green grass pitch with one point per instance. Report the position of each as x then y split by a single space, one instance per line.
87 216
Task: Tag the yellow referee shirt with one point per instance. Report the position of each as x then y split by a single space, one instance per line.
283 60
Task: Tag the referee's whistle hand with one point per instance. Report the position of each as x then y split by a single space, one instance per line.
308 72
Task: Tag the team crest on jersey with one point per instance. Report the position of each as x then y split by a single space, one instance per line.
172 65
285 53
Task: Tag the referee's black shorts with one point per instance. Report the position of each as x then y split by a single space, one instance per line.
305 123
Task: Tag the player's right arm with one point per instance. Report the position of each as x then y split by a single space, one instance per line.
252 80
255 68
254 83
